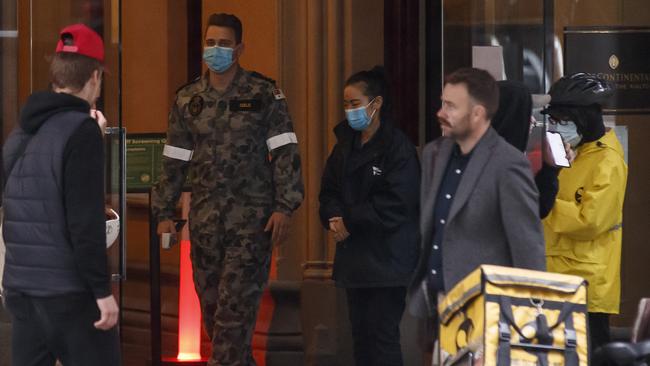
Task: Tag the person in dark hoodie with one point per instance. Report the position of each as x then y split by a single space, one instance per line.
369 201
56 281
513 122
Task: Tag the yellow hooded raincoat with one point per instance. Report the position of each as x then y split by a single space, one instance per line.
583 232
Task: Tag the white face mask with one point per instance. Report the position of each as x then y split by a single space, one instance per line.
569 132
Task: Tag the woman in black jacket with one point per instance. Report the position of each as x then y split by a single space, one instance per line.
369 202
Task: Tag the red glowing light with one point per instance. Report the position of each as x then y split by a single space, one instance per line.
189 310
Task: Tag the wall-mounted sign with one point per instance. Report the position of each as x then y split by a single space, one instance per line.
143 160
618 54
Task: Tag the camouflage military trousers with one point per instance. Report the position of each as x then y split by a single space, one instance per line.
230 260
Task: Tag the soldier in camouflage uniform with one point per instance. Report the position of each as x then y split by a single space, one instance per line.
231 131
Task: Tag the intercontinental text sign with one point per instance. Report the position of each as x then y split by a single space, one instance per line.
616 54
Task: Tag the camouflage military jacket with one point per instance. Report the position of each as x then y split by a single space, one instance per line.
238 147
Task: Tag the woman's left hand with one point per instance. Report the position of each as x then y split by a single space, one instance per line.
337 227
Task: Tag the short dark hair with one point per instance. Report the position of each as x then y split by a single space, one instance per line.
226 20
481 86
72 70
373 84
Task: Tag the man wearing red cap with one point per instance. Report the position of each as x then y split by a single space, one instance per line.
56 281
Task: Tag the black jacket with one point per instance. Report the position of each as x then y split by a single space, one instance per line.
54 225
512 122
375 188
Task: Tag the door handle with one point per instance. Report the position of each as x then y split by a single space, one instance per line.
120 132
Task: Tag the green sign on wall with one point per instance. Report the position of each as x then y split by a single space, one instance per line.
143 160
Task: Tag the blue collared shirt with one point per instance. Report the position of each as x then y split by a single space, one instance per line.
448 186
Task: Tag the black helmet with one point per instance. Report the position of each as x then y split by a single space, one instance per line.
580 90
578 98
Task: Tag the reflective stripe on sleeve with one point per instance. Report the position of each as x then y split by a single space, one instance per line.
281 140
177 153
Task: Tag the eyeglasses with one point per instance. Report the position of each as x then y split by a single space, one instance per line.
557 121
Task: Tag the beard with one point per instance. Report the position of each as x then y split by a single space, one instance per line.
457 131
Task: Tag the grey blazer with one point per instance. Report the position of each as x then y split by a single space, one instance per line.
494 218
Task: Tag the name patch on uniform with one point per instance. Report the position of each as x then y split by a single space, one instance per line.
196 105
245 105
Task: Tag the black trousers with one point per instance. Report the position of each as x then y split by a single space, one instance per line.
598 330
45 329
375 314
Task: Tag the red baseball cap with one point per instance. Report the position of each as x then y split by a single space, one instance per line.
79 38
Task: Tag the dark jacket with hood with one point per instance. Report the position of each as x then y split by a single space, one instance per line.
375 189
54 225
512 122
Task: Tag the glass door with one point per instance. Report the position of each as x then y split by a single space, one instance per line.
518 31
8 67
515 26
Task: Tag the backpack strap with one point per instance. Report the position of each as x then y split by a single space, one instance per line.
570 343
505 319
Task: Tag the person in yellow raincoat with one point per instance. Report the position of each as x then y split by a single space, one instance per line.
584 229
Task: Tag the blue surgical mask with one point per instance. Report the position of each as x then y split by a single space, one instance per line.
218 59
358 118
569 132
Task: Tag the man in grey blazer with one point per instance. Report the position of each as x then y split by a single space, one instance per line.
478 198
